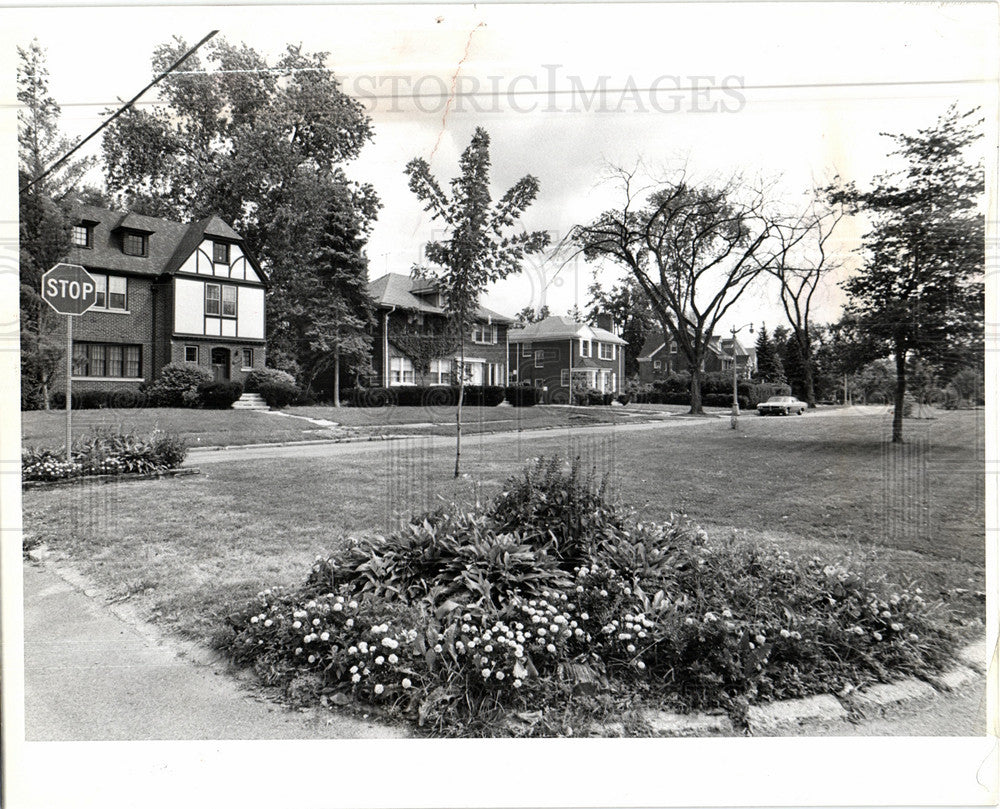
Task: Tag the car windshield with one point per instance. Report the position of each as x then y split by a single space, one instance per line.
779 400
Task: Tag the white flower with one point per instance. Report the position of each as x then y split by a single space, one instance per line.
486 673
641 665
338 607
379 688
325 636
785 633
517 683
297 625
727 614
312 658
877 635
315 621
897 627
268 622
356 678
500 675
630 648
551 648
254 620
393 659
406 682
379 660
760 639
353 605
349 623
438 648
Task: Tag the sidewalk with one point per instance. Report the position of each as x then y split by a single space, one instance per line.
89 675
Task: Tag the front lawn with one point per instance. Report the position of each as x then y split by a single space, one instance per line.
441 420
188 549
199 428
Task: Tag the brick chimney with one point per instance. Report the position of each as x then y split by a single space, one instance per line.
606 322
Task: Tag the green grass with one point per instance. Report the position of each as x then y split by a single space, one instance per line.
441 420
201 428
828 485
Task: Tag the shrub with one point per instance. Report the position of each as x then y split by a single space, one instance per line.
278 394
219 395
370 397
522 395
552 591
177 385
260 376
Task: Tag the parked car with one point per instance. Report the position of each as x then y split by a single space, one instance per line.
781 406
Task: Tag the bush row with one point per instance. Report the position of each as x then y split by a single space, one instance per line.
106 453
441 396
182 385
552 592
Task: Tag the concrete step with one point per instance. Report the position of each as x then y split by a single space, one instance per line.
250 401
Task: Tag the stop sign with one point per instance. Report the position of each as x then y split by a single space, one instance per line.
69 289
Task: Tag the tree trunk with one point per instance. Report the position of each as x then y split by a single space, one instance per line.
458 410
807 370
336 379
897 414
696 408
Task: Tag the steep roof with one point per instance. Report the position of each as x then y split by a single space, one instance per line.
396 290
562 327
168 243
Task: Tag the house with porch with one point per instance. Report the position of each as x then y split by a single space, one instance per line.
410 334
552 352
167 292
660 357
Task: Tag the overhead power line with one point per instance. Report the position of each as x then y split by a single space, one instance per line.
126 106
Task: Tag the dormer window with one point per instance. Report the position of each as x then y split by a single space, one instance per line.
220 253
134 244
83 235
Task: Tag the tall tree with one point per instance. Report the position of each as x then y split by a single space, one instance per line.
320 311
479 246
769 365
629 306
802 264
692 249
529 314
43 229
921 288
260 144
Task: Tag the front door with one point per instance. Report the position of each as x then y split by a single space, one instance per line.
220 364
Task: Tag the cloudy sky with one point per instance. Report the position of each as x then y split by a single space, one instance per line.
791 93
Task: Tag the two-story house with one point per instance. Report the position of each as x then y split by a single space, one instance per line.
550 353
166 292
659 358
408 308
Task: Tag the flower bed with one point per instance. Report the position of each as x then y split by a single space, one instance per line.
553 597
105 453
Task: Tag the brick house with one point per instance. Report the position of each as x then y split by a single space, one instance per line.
408 306
659 358
166 292
551 352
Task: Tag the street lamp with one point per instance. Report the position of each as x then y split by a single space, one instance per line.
736 400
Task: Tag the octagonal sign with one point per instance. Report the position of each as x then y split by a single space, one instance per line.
69 289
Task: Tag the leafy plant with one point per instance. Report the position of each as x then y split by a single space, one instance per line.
177 385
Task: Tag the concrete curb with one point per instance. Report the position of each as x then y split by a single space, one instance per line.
665 724
821 708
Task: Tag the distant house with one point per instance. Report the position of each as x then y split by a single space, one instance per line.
550 353
407 306
659 358
166 292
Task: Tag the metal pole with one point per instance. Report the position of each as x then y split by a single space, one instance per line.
736 401
69 388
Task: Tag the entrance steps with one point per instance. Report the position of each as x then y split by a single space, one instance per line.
250 401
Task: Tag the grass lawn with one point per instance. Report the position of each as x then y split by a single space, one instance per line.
186 549
441 420
201 428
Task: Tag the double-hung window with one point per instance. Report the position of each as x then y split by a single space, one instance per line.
220 300
112 292
539 358
585 348
220 253
83 236
606 351
134 244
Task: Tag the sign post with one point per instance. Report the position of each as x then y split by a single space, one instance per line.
71 291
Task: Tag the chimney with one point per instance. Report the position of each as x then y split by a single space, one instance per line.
606 322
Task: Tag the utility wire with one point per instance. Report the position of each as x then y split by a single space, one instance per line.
127 106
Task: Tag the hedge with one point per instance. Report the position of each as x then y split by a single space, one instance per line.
441 396
219 395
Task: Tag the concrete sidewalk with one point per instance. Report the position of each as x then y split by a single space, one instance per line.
90 675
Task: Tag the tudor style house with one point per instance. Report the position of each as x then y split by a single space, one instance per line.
166 292
408 307
550 353
659 358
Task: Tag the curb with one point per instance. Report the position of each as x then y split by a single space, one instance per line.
80 480
821 708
